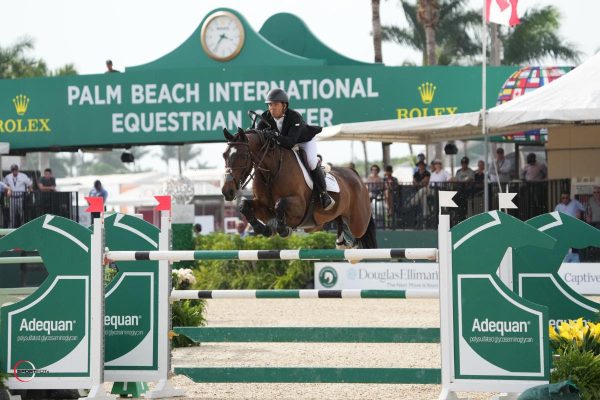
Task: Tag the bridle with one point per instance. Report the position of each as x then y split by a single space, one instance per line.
250 165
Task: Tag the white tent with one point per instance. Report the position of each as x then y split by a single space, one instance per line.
572 99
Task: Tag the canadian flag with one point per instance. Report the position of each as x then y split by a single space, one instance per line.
503 12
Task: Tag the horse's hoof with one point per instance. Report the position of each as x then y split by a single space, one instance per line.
284 231
264 230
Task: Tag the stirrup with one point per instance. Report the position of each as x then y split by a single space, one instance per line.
327 205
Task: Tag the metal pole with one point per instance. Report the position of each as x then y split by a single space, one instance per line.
486 194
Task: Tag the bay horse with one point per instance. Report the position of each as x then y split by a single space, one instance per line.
282 200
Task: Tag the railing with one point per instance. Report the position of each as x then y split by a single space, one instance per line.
404 206
22 207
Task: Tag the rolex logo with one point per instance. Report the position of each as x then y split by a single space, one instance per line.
21 103
427 91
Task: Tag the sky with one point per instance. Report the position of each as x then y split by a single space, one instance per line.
133 32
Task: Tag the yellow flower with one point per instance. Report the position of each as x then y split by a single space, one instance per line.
553 334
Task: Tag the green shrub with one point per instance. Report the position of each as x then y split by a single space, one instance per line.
3 377
272 274
580 367
186 312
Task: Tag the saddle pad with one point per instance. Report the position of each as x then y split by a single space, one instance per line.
332 184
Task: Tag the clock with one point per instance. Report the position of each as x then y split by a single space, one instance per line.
222 36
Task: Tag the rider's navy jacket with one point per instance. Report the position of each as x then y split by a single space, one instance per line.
294 129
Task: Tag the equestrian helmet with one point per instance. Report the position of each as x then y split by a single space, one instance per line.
277 96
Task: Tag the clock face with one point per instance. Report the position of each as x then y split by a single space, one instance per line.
222 36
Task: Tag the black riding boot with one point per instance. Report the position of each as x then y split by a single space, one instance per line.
318 176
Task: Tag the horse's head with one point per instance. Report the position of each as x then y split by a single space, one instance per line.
238 162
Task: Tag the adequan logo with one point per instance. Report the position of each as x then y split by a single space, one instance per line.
427 91
24 125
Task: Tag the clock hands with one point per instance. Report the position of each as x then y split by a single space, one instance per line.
221 37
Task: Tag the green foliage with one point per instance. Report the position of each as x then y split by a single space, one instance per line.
232 274
536 38
186 312
3 377
580 367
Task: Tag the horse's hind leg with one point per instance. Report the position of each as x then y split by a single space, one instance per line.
340 242
248 208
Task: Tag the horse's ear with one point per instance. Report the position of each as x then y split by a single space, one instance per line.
227 135
241 134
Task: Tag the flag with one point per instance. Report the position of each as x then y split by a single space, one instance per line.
164 203
503 12
96 204
505 200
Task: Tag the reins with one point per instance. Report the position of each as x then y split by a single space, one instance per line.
256 163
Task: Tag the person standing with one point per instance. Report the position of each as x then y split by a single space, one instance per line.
500 170
573 208
390 183
534 171
592 215
374 182
109 67
479 175
464 173
98 191
438 174
20 185
46 185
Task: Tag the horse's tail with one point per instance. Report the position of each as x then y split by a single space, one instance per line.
369 239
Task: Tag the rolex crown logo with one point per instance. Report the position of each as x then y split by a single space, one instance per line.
21 103
427 91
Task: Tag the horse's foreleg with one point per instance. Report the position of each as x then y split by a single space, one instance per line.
288 210
248 208
280 208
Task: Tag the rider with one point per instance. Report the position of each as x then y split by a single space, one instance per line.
291 130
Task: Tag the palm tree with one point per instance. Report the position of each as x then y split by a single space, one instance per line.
428 16
16 63
376 22
536 38
453 32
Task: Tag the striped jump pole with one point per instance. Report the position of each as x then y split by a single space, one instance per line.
254 255
177 295
21 260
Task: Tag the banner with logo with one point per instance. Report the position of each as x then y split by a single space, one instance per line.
584 278
377 275
194 105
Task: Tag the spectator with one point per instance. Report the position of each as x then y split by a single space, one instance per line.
438 174
98 191
573 208
421 177
499 171
240 227
46 185
390 184
374 181
464 173
197 230
420 157
534 171
570 207
593 208
47 182
109 67
19 185
479 175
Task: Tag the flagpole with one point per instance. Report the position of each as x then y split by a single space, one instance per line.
486 194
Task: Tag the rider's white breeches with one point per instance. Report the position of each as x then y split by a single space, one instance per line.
311 153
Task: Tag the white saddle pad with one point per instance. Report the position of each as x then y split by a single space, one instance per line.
332 184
